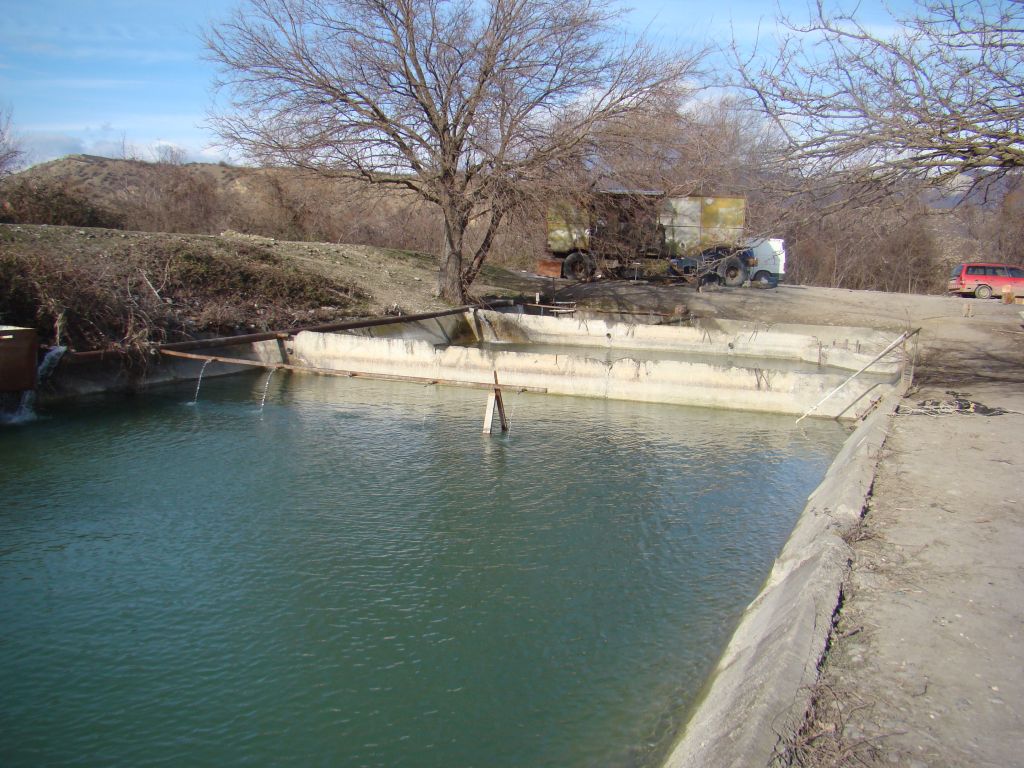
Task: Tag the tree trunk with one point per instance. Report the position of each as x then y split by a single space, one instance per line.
470 273
449 276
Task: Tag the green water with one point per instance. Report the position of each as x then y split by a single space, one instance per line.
355 576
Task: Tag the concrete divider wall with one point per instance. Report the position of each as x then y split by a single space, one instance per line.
728 385
760 688
840 347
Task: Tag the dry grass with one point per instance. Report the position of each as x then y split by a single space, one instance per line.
282 203
95 289
825 740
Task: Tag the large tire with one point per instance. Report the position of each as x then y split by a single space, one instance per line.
578 266
983 292
733 272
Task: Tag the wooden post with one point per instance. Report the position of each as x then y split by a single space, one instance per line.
501 404
494 399
489 413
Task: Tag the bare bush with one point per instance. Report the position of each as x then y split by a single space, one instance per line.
31 201
996 229
10 153
880 248
130 292
171 197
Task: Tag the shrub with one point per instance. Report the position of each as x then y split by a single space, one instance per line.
26 201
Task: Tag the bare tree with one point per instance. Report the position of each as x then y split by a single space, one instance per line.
10 152
939 97
465 102
883 247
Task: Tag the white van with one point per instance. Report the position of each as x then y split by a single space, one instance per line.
771 261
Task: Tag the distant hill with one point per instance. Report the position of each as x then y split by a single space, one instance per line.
105 176
854 249
205 198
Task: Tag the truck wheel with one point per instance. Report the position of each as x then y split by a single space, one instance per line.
983 292
763 277
578 266
708 278
733 272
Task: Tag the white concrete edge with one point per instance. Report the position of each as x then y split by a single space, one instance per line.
728 385
843 348
760 690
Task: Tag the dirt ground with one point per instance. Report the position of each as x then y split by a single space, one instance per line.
926 668
925 663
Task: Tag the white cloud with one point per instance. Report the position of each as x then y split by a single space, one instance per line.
43 145
40 146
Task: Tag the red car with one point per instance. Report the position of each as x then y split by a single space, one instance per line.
985 279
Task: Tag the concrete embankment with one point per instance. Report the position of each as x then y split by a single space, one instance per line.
760 689
738 368
719 364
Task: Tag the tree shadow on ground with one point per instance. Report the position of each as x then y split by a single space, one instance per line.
960 366
627 296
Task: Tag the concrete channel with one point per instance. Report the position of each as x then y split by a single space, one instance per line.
759 689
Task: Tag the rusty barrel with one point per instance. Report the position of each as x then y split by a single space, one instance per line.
18 351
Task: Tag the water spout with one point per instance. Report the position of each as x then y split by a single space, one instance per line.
266 388
50 360
25 410
195 398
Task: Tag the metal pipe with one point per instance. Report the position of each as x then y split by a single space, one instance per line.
251 338
903 337
340 325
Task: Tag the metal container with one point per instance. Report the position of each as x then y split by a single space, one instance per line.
18 352
692 223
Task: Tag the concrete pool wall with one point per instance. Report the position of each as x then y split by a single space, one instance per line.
735 366
761 688
829 346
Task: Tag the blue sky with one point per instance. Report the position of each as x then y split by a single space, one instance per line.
111 77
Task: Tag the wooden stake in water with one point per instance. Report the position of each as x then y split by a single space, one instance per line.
494 399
